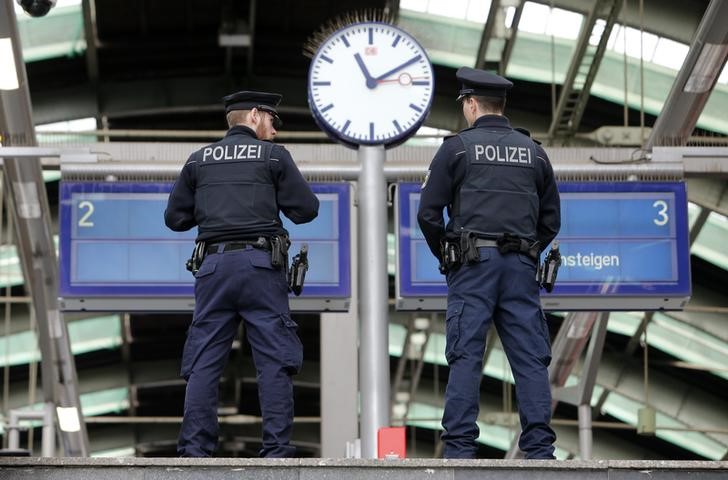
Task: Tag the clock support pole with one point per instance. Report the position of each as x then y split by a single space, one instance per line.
373 298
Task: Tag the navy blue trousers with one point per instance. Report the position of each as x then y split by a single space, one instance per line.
230 286
501 289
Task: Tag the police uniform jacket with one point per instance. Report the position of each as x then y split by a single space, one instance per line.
234 189
494 180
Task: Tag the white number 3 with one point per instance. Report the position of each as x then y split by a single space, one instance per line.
662 217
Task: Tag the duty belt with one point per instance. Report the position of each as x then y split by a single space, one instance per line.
261 242
482 242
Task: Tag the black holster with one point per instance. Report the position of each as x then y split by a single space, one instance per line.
297 274
198 255
468 248
548 271
450 255
279 251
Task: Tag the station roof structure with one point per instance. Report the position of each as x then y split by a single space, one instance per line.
165 65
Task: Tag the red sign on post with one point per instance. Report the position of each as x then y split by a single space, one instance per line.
391 443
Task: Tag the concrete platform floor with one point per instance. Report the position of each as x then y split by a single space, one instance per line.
16 468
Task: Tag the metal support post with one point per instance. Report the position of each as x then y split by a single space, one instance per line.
373 298
587 380
48 439
339 371
31 214
585 431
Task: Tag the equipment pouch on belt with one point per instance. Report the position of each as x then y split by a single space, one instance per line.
547 272
297 274
468 248
510 243
198 255
279 251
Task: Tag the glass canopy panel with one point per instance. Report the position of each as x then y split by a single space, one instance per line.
713 116
711 242
670 54
454 42
625 409
448 41
723 77
11 273
58 34
53 133
688 343
87 335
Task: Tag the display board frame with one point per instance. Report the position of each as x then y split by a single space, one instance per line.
177 295
671 294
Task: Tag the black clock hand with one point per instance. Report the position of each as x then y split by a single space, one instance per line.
371 81
396 69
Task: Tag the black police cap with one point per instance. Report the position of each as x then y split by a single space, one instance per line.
248 100
481 83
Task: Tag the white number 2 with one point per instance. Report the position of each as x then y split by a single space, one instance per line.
85 221
662 217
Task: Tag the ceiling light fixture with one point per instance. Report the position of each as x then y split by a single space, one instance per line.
8 72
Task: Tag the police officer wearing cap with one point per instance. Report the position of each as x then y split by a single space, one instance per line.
233 191
498 186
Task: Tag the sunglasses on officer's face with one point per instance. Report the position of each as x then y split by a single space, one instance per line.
277 122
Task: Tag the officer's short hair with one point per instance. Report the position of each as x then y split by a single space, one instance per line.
237 117
490 104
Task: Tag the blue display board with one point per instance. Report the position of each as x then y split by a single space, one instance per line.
624 247
114 245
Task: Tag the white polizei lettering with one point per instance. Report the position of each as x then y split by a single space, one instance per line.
529 155
479 149
490 153
522 152
240 149
512 154
206 153
502 156
254 151
217 153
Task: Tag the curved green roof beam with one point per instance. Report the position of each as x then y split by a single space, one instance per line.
454 42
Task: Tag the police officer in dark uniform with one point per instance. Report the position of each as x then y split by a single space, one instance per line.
504 209
233 191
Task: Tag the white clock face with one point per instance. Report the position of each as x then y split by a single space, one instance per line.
370 83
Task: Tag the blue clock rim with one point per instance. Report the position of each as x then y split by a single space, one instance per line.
349 141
